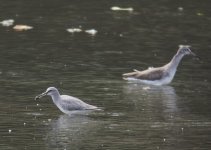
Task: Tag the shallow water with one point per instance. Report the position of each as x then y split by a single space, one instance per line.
134 116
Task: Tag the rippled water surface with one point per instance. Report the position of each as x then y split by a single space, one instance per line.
134 116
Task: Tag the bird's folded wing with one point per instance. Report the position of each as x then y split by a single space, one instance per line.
150 74
73 103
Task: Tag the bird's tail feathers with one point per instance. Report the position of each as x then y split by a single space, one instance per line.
135 70
130 74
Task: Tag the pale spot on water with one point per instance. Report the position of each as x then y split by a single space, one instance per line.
116 8
74 30
91 32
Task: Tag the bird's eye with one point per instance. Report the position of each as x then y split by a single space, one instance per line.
49 91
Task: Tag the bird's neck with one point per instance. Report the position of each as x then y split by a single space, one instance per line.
56 98
173 64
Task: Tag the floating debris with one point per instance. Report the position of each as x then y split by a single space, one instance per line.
73 30
7 23
9 130
22 27
146 88
24 124
180 9
77 30
116 8
200 14
91 32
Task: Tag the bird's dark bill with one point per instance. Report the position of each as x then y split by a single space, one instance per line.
40 96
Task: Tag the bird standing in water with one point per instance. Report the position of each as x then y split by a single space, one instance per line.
160 75
67 104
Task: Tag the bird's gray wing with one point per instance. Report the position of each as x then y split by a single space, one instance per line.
73 103
150 74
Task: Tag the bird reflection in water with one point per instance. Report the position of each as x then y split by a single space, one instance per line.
152 98
69 132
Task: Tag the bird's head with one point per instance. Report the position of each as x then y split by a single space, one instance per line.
50 91
185 50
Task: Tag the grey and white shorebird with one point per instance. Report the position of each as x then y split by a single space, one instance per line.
160 75
67 104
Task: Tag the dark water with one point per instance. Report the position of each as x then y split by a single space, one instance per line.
177 116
